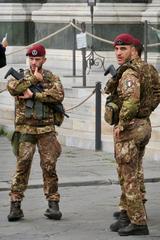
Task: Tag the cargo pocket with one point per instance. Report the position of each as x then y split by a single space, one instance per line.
15 140
126 152
57 147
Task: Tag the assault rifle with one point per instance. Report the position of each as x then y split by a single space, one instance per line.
111 69
56 107
119 71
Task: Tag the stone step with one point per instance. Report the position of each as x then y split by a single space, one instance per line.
81 139
7 124
78 92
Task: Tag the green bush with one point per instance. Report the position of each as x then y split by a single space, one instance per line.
5 133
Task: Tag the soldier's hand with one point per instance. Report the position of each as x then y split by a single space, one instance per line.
117 133
27 94
5 43
38 75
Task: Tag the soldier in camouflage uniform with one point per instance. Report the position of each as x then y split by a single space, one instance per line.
136 92
140 173
35 123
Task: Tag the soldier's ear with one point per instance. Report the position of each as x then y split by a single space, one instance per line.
44 60
133 51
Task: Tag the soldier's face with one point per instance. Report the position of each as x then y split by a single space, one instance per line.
36 62
123 53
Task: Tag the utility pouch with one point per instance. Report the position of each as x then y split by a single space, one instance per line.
29 103
58 118
15 140
111 113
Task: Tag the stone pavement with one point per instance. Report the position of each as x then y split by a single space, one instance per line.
87 214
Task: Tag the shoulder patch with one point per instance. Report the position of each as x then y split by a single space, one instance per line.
128 84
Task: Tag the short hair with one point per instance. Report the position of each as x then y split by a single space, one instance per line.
139 48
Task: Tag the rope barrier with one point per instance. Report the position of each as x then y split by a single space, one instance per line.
78 105
103 93
92 35
41 40
3 90
153 45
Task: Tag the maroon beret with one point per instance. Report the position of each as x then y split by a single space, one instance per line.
37 50
137 42
125 39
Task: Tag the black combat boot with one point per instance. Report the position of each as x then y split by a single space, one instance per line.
116 214
16 212
134 229
123 221
53 211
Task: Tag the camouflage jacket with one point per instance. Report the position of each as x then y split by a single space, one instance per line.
136 91
39 118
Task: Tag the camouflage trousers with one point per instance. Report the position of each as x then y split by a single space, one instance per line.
140 174
129 151
49 150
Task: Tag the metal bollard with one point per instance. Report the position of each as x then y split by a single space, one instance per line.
98 142
74 49
84 63
84 66
145 39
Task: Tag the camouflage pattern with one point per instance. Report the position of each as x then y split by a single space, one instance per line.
129 151
49 150
135 91
134 96
35 131
140 177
